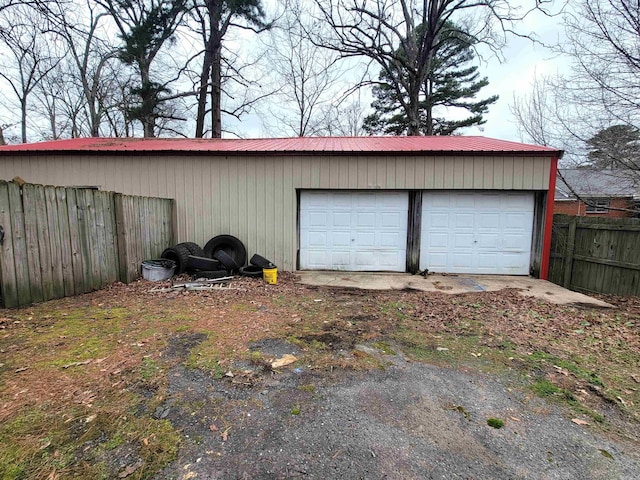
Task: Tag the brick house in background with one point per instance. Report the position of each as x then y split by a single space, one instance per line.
604 191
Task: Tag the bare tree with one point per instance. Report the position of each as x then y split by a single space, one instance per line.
30 57
306 74
213 19
403 36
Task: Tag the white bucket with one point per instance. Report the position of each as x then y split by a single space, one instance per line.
157 270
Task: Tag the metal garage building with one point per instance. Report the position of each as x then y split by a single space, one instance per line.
449 204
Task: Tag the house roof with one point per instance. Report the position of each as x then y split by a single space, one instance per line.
407 145
586 182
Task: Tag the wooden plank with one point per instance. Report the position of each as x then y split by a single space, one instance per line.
74 240
413 235
65 242
31 235
54 239
101 242
122 238
604 261
19 244
92 240
568 254
44 243
7 264
111 274
84 236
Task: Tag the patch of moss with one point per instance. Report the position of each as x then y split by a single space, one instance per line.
495 423
384 347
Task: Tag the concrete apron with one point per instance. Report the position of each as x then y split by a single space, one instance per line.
450 283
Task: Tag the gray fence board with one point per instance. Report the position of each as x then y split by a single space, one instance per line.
65 241
7 264
596 254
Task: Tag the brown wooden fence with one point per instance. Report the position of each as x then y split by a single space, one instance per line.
61 241
596 254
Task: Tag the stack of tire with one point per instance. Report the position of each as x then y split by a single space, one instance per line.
222 256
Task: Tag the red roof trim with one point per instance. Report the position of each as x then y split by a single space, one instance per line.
300 145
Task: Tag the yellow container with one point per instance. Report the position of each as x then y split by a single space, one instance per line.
270 275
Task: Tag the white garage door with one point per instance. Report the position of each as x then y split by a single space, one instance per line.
353 231
476 232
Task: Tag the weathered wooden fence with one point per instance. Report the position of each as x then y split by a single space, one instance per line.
61 241
596 254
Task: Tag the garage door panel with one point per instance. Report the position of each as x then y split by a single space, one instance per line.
391 240
340 239
366 239
369 229
476 232
463 220
341 219
438 240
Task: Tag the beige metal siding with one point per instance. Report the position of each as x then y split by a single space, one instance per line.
254 197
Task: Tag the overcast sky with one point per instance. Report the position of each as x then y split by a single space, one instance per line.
523 59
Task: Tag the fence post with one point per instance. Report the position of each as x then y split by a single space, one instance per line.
568 252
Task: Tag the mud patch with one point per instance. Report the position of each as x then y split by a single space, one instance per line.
180 346
330 340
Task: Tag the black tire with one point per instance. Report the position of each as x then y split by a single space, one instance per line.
211 274
226 261
194 248
195 263
229 245
251 271
260 261
180 255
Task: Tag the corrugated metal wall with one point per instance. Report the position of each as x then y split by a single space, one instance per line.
254 198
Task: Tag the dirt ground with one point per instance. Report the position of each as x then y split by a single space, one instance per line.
127 383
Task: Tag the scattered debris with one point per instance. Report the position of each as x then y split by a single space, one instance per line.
442 349
286 359
579 421
206 284
605 453
131 469
77 364
225 435
462 410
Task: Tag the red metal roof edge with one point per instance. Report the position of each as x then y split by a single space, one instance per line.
297 145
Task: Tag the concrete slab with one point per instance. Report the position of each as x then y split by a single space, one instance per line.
450 283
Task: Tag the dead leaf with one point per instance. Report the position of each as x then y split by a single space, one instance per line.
21 369
579 421
286 359
442 349
189 475
636 378
90 418
213 427
515 419
131 468
77 364
225 435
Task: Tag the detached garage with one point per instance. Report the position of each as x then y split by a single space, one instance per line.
399 204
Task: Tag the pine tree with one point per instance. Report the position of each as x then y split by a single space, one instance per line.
450 84
614 147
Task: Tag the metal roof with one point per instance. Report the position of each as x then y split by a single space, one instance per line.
591 183
409 145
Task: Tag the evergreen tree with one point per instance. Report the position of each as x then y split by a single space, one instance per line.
450 84
617 146
144 26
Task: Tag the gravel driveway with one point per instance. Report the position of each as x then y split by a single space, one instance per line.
410 420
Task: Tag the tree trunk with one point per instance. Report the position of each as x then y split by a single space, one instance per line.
216 94
23 118
209 55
